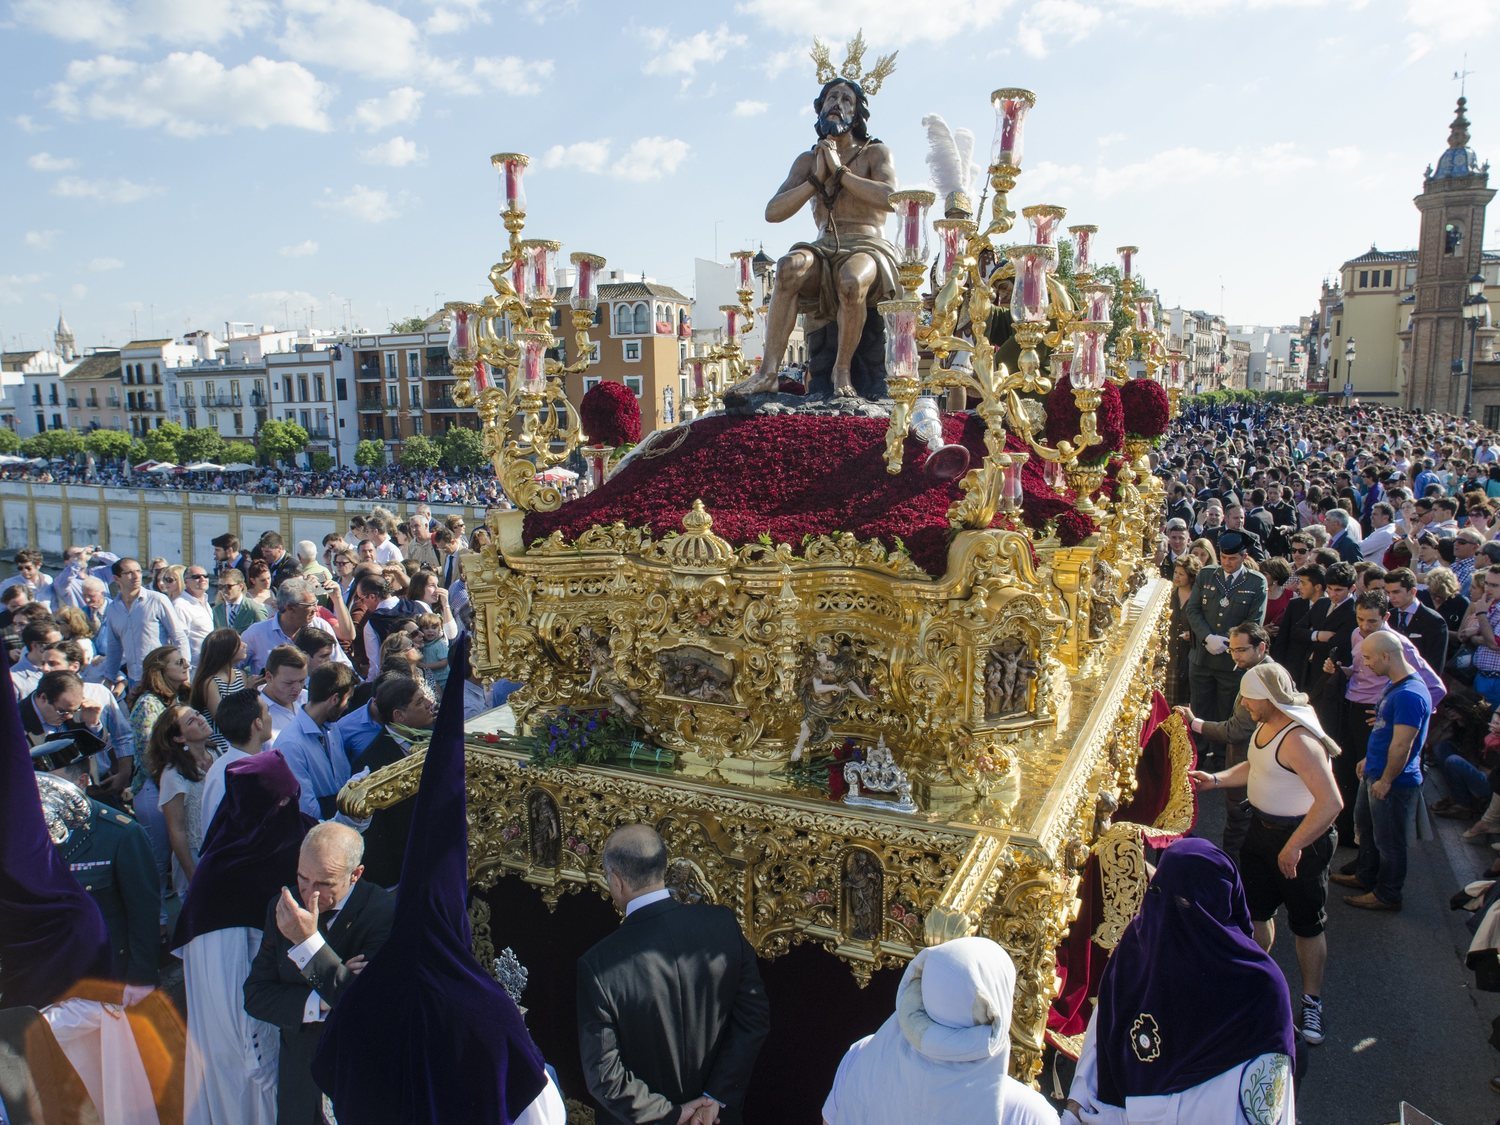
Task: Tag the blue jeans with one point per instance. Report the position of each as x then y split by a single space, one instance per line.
1467 783
1383 826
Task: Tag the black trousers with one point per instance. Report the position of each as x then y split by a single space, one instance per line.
1354 738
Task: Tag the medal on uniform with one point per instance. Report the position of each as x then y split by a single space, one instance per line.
1224 602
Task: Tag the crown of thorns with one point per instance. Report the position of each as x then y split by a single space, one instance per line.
852 70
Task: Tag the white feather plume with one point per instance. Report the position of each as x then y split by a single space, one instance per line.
942 156
963 140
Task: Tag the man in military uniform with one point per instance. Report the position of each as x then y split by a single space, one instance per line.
107 852
1223 596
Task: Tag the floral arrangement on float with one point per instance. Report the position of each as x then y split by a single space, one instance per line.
610 415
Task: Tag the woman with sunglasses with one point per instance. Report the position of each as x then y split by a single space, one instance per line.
178 755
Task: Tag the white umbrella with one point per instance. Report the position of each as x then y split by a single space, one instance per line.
38 461
10 459
556 474
202 467
239 467
162 467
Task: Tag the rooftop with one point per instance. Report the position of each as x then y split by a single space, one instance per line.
102 366
627 291
1373 254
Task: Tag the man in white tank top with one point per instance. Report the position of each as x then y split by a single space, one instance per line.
1290 843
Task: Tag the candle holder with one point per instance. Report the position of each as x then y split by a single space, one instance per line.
1083 252
902 367
910 208
744 273
728 359
1044 219
1011 107
512 168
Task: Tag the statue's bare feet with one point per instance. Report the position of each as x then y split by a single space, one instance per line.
843 387
761 383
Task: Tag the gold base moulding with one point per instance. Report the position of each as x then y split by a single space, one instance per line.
1009 693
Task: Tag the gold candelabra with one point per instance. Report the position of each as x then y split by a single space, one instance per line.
500 349
723 365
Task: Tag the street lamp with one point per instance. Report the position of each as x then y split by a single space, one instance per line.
1349 374
1476 311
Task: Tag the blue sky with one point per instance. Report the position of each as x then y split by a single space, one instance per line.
178 163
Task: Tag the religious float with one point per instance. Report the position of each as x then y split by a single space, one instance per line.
878 654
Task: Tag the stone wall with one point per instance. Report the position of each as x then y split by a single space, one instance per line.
143 522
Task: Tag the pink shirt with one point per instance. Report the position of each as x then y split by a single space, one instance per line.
1366 687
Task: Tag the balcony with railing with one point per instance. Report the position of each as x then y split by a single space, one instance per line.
257 398
442 402
318 433
72 402
187 398
367 366
371 402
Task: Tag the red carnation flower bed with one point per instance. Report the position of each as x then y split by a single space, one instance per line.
1147 408
611 414
792 476
1063 420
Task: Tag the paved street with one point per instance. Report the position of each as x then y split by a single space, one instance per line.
1402 1015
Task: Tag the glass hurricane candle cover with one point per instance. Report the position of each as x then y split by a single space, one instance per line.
911 224
533 362
953 246
1011 106
482 374
731 322
1083 248
1089 366
901 356
1098 299
1010 490
1044 221
541 258
696 367
520 275
1028 299
1145 315
512 168
586 283
744 270
1127 262
462 343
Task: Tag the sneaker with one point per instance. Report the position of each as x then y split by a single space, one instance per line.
1312 1020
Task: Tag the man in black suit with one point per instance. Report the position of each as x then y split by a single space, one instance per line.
1176 546
1336 521
1234 520
1281 512
1290 644
1325 623
1258 518
310 954
671 1010
1424 627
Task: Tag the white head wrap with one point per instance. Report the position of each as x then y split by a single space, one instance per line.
1273 683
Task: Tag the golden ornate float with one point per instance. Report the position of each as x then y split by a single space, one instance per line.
996 700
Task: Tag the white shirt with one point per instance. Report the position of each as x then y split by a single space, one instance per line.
196 618
281 717
302 954
214 783
646 900
1374 545
387 552
265 635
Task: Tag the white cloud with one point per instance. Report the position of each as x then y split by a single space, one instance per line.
750 109
684 56
650 158
449 16
368 205
1063 22
886 26
104 265
354 35
581 156
1444 23
304 249
78 290
397 152
28 124
46 162
103 191
190 93
40 239
14 285
111 24
512 75
543 10
1181 167
400 106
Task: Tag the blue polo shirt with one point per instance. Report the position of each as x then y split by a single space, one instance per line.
1408 704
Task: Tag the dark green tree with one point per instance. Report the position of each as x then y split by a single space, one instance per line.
201 444
420 452
281 441
10 441
108 445
410 324
162 442
463 448
369 454
320 462
239 453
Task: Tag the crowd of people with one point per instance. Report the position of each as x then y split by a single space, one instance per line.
1335 638
385 484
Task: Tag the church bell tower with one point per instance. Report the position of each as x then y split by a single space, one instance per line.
1449 250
